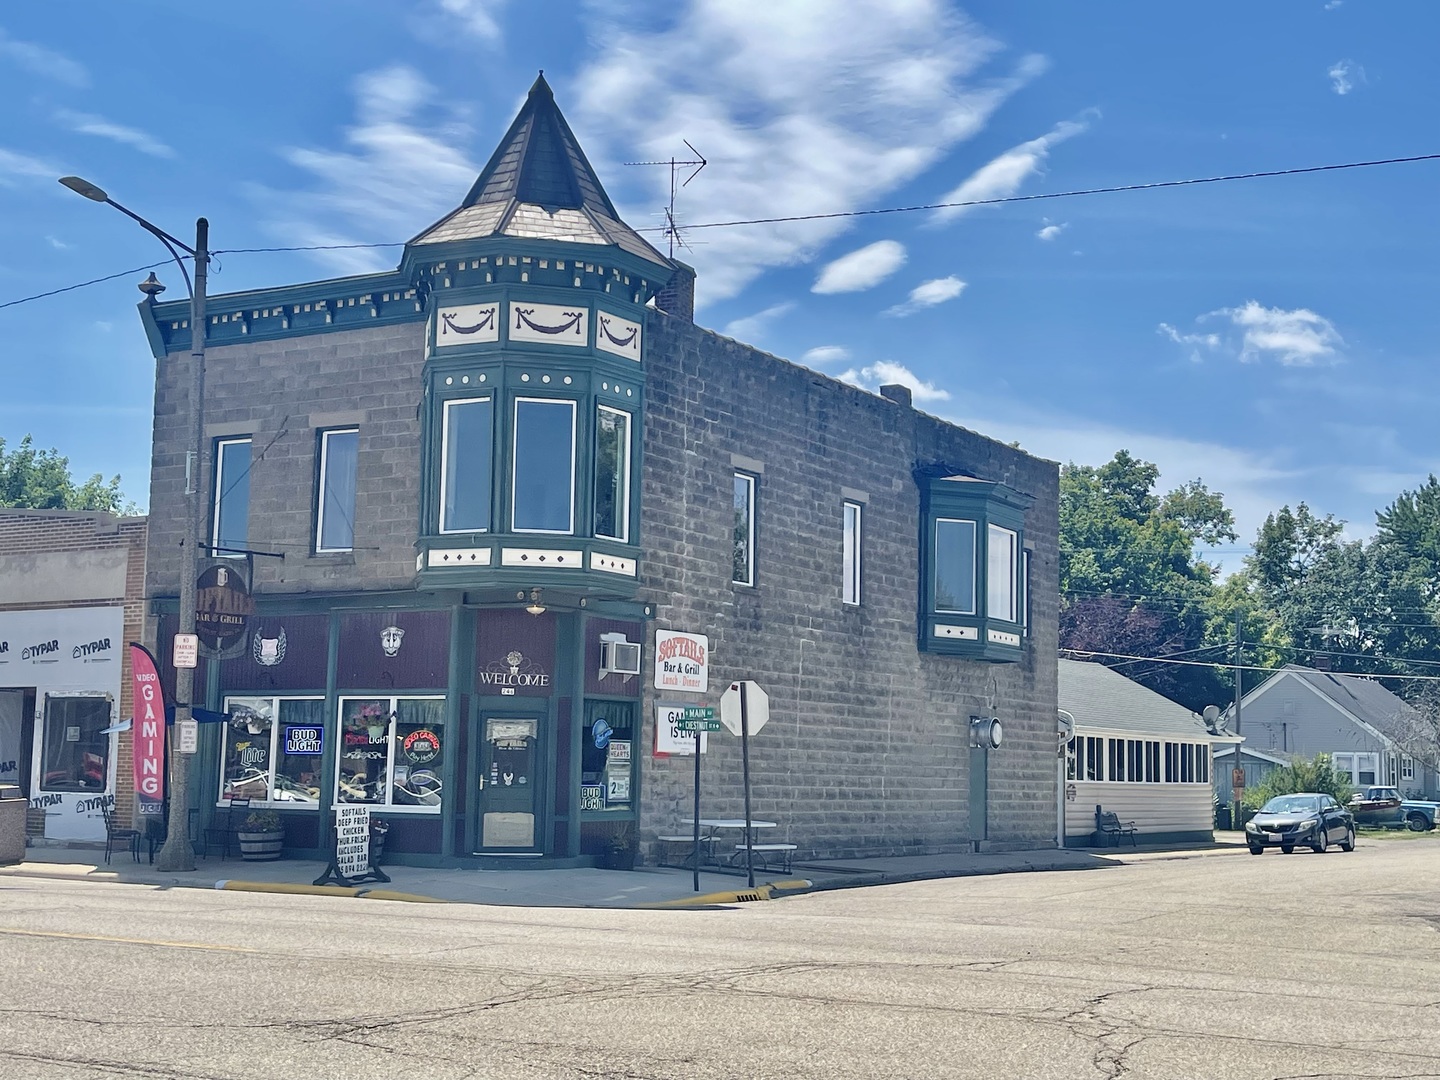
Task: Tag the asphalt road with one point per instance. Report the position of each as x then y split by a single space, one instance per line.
1215 966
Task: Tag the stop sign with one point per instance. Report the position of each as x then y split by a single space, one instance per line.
757 707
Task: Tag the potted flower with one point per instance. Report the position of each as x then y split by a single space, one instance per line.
619 850
261 836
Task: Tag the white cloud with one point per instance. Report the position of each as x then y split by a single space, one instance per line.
752 327
477 18
367 191
861 269
1296 338
1333 4
1344 75
822 355
89 124
873 99
1002 177
13 164
58 244
927 294
884 372
1050 232
44 62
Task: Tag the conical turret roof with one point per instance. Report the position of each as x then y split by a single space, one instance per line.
538 185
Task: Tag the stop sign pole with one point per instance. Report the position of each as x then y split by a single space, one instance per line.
745 767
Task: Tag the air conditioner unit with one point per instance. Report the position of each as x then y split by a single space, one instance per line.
618 656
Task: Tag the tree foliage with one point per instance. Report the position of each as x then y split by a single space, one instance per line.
1317 774
40 480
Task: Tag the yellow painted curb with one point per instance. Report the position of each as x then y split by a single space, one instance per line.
742 896
391 894
795 883
286 887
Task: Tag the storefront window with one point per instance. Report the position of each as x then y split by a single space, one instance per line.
544 488
274 749
391 752
77 755
607 758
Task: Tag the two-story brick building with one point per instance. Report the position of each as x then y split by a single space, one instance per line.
492 469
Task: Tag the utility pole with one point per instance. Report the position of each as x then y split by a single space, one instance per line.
1239 761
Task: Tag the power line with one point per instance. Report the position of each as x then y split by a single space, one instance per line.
83 284
1152 186
1242 667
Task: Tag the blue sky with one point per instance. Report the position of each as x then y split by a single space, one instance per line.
1273 337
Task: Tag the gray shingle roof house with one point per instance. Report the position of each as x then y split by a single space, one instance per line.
1137 753
1365 728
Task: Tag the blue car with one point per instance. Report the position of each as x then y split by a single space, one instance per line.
1309 817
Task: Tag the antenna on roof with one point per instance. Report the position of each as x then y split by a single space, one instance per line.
672 229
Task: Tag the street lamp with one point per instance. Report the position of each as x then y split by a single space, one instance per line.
177 854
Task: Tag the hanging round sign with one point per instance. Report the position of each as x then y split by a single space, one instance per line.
422 746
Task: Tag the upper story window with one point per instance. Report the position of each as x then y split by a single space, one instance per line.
742 548
850 554
612 473
335 490
973 590
466 464
543 486
230 519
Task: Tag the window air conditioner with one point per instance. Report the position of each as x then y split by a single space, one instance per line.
618 656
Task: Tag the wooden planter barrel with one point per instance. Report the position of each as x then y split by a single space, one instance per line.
260 845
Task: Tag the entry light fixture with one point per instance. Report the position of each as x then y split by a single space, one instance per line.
535 607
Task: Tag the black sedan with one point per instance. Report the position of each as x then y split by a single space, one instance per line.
1309 817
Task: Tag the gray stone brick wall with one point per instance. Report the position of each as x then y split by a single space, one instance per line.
272 390
867 749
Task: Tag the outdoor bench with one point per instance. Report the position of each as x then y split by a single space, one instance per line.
1109 828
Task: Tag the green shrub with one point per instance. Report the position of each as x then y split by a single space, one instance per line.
1316 774
262 821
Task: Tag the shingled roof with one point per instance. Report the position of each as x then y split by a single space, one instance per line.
538 185
1364 699
1104 700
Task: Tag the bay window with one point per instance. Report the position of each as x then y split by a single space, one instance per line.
466 464
973 589
392 752
543 489
273 751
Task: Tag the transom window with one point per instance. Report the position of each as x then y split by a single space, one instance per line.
544 466
466 464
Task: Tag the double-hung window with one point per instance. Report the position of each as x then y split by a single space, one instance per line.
742 546
230 520
1407 767
543 480
335 490
612 473
466 463
850 554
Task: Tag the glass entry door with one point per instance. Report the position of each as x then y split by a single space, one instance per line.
509 778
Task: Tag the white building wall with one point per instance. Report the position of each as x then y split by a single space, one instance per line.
1155 808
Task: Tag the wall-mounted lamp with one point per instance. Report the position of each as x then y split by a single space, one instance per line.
535 607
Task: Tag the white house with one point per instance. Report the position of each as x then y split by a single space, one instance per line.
1134 752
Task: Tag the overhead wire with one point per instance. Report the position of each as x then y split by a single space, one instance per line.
958 204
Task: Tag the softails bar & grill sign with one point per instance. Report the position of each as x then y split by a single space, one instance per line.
682 661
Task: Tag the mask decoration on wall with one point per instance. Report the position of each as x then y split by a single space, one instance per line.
390 639
268 652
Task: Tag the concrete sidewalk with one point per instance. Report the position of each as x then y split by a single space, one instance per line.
642 887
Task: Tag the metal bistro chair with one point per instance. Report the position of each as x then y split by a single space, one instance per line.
222 831
115 835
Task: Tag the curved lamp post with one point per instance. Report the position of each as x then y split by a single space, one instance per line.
177 854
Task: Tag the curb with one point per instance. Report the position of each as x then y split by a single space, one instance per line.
286 888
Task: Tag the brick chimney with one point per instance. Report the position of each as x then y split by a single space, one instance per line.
678 297
896 393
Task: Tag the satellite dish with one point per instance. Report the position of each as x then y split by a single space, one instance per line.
1213 719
